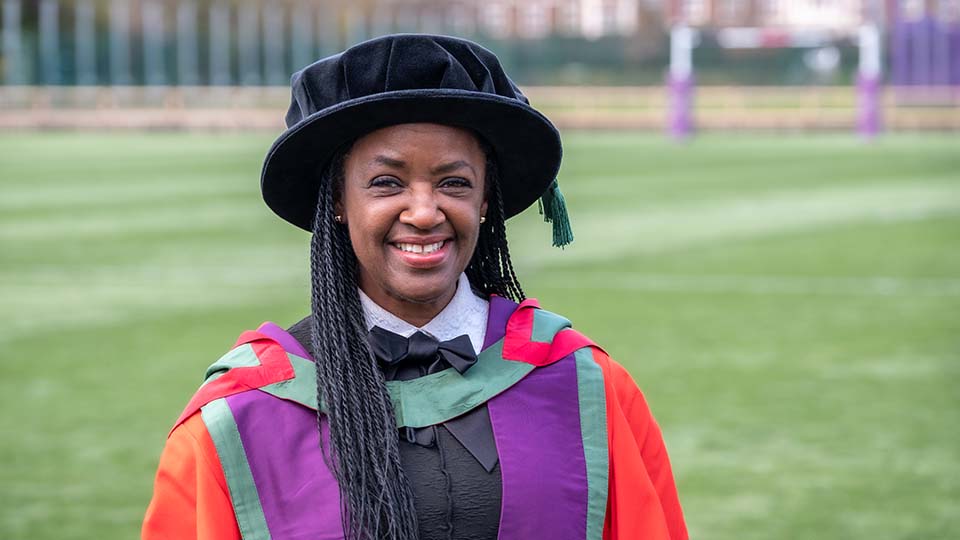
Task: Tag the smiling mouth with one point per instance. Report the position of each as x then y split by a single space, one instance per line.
420 248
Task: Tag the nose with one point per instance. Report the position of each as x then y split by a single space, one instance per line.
423 210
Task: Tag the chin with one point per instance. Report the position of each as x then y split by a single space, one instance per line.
418 292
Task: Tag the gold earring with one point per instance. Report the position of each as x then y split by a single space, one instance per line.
483 219
338 218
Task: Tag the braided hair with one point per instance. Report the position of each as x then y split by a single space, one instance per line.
376 498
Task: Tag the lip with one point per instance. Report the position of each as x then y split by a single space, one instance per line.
432 239
422 260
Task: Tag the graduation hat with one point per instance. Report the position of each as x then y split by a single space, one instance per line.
410 78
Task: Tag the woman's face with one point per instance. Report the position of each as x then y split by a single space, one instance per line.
412 200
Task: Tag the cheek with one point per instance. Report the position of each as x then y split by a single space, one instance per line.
365 237
369 225
358 227
470 227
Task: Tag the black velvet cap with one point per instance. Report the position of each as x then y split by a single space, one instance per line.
399 79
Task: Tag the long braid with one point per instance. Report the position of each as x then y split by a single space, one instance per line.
490 269
376 500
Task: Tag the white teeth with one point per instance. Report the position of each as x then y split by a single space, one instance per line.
420 248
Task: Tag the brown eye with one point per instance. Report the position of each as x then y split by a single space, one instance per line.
455 182
385 182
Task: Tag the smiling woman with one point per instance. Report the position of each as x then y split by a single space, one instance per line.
424 396
413 199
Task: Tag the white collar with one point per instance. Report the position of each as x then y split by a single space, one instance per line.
465 314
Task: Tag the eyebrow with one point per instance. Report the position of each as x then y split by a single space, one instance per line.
390 162
440 169
452 166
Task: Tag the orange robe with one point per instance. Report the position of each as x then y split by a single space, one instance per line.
191 499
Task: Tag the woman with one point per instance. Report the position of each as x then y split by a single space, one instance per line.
418 400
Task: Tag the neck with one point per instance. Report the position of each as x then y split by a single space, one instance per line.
417 312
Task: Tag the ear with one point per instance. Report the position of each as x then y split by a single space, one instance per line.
483 208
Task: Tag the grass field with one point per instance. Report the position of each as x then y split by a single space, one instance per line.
790 306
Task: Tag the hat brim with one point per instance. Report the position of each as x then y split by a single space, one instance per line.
527 145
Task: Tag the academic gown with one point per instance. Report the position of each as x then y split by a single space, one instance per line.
580 454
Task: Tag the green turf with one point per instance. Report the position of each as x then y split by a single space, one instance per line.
789 305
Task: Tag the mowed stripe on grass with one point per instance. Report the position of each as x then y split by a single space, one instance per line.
787 304
618 234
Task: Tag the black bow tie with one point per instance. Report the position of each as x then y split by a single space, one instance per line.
419 354
402 359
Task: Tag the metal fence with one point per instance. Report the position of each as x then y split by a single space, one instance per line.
156 42
260 42
181 64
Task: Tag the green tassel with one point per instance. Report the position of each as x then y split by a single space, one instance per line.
554 210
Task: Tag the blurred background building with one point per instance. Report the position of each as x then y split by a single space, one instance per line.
742 54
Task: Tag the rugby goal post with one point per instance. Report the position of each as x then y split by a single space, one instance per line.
681 73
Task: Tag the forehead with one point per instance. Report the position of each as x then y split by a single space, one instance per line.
421 141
